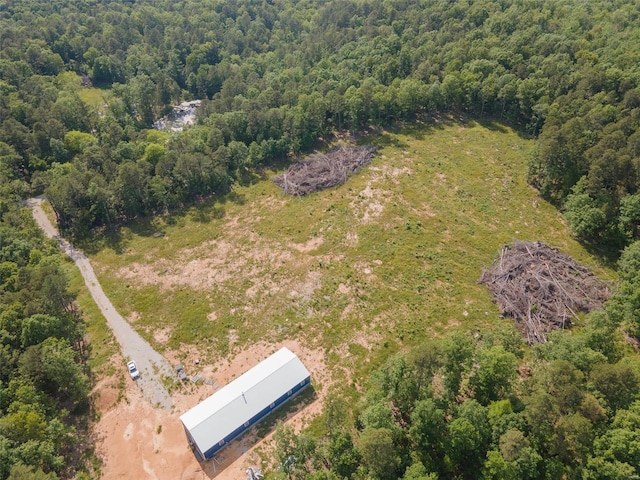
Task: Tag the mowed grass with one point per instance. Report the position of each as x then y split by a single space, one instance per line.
363 270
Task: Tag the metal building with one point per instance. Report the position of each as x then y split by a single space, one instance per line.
223 416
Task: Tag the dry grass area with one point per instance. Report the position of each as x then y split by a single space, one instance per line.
347 276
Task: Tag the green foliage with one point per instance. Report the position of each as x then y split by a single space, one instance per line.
417 471
42 376
586 216
493 376
426 432
294 453
619 383
379 454
397 383
624 306
342 454
24 472
77 142
458 351
569 419
616 452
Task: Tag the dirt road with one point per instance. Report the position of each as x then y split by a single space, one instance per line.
151 364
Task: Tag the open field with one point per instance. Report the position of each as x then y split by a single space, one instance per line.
352 274
386 260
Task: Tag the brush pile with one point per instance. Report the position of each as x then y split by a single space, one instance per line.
320 171
541 288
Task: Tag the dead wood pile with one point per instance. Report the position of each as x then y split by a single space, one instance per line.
541 288
320 171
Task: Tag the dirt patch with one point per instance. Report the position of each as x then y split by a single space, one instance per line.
309 246
256 265
425 210
352 239
136 440
163 335
106 393
366 339
370 202
388 171
368 205
305 289
348 310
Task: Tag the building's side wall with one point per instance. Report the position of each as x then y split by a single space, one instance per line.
194 446
210 450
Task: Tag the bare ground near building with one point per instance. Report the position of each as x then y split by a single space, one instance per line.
138 441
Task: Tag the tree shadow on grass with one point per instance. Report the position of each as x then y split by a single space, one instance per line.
607 255
206 215
501 125
112 238
386 140
201 211
426 124
248 177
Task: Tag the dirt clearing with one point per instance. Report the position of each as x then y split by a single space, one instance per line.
138 441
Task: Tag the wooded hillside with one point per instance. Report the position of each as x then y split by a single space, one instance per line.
81 84
276 77
44 379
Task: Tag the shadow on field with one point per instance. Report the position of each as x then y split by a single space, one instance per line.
202 211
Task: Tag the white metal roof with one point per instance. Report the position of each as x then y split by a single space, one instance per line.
213 419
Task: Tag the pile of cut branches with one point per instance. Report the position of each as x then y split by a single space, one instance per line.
320 171
541 288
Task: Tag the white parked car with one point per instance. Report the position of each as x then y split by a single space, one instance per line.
133 370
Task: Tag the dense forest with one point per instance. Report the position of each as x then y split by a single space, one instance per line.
485 407
81 84
44 381
276 78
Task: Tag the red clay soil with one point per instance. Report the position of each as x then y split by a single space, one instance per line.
136 441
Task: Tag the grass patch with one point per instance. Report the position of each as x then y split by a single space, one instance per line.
94 97
101 339
379 264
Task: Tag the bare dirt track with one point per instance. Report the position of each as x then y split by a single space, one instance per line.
151 364
137 440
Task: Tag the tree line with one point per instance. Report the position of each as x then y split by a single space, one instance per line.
278 77
44 379
483 407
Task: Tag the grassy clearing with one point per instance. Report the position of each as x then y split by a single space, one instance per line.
92 96
381 263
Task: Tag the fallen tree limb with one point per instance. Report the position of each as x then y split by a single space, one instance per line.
541 288
320 171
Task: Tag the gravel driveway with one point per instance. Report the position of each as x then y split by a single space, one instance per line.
151 364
